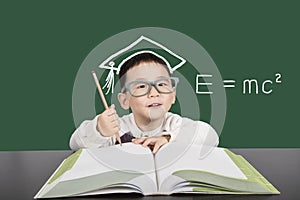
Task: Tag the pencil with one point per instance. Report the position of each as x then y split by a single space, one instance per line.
103 100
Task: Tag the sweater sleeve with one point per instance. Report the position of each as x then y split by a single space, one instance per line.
207 135
197 132
172 126
87 136
207 138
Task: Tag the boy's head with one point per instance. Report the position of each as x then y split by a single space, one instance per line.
147 87
138 59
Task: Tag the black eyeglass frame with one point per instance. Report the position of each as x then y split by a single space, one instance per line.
150 84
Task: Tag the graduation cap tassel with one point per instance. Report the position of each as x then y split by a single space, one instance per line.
109 81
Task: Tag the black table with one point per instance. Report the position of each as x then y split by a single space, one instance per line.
23 173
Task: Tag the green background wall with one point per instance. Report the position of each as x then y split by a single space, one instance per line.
43 44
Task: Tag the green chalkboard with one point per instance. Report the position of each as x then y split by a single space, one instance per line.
45 43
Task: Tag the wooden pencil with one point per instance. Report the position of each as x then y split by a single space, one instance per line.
104 100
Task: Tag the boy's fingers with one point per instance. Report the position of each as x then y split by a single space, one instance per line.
157 146
114 118
148 141
111 112
116 129
115 123
107 113
138 140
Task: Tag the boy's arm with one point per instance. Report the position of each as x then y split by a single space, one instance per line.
207 135
172 126
208 138
87 136
196 132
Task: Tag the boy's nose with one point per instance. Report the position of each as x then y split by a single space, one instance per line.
153 92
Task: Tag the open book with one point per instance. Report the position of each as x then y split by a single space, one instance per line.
175 168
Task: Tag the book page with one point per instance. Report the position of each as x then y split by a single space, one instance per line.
128 157
175 157
98 169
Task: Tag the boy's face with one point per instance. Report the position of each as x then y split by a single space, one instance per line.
152 106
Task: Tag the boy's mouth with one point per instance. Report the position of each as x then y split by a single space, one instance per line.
153 105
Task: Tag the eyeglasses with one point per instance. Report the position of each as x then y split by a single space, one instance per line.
140 87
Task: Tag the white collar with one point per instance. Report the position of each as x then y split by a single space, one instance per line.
138 132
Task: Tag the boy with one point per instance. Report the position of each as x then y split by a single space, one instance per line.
149 91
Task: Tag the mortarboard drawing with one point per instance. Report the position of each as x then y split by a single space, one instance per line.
110 63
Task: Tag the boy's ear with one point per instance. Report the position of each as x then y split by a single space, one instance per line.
123 101
174 97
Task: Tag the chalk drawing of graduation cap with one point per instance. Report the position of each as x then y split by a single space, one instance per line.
141 45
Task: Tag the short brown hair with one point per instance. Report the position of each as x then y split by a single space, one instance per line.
145 57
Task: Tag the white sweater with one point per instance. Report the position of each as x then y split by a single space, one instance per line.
181 129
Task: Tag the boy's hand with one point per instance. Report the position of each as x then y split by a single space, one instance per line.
154 143
108 122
